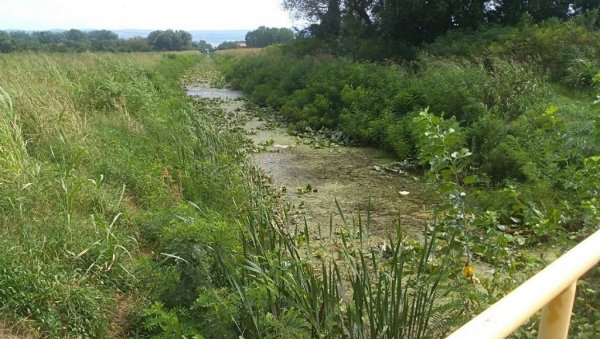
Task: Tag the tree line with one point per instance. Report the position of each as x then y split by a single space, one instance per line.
414 22
261 37
75 40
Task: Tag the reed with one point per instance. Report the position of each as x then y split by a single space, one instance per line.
360 294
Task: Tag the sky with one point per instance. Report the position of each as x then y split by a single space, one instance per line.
145 14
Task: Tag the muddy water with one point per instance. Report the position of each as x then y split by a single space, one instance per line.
312 179
212 93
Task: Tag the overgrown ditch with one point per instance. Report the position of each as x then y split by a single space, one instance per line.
324 183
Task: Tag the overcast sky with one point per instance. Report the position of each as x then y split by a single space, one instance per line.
144 14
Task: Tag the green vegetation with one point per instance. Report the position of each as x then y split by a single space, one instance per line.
100 154
129 210
394 29
228 45
510 146
72 40
525 130
261 37
265 36
75 40
170 40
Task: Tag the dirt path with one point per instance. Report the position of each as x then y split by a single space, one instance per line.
362 180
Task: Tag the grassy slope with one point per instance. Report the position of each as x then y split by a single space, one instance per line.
97 153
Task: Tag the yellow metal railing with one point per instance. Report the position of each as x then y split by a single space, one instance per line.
552 289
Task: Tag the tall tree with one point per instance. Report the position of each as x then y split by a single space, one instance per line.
332 19
103 35
264 36
23 41
418 21
361 8
74 35
170 40
327 15
510 12
6 43
310 10
203 46
48 37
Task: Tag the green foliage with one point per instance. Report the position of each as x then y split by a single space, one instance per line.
586 318
212 277
485 233
7 44
217 310
99 166
389 297
170 40
228 45
320 92
47 293
192 243
202 46
596 81
369 102
564 50
510 150
265 36
161 323
126 88
75 40
119 184
382 29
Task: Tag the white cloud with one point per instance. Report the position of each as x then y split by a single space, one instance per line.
148 14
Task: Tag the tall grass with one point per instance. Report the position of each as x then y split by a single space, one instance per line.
69 223
395 292
14 157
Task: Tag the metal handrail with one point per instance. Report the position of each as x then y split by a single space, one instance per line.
552 289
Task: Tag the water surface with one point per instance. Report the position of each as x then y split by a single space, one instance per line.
312 179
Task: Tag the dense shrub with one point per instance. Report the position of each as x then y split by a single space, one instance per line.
566 51
368 102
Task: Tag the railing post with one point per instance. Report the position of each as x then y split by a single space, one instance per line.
556 315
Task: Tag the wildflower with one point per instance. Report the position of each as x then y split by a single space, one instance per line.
469 272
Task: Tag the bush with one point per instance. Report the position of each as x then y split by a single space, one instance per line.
368 102
563 50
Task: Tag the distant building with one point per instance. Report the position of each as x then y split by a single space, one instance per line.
241 45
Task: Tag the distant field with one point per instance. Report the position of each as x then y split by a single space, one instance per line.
239 51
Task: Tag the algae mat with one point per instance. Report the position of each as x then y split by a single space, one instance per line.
318 182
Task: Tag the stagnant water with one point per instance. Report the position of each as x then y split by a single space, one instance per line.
313 178
212 93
